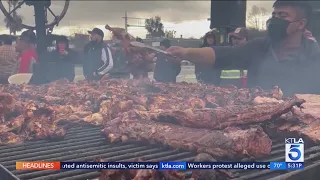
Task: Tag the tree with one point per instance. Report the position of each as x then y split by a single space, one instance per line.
14 26
255 18
79 30
154 26
170 34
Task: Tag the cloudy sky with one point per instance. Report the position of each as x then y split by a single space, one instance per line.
187 18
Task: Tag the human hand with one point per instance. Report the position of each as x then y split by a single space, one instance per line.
177 51
308 34
64 52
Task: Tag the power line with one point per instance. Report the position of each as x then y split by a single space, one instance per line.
126 18
126 25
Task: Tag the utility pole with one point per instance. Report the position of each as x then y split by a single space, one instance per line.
9 3
126 18
126 21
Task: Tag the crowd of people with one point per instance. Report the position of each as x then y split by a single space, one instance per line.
286 57
99 59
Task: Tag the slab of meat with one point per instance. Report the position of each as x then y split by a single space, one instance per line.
306 126
231 142
312 105
301 122
222 117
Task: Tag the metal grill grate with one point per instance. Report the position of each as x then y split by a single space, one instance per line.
86 144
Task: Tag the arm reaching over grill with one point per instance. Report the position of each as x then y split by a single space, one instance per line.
223 117
231 142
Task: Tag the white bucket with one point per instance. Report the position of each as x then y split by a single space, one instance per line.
22 78
79 78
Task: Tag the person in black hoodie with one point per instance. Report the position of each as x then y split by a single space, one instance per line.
204 73
98 58
166 71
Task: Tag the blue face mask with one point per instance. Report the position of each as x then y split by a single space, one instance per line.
277 29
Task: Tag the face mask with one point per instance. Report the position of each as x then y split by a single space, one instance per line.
277 29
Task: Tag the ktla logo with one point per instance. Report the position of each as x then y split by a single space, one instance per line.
294 150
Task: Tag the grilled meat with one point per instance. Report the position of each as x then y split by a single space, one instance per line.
261 100
302 122
208 174
37 122
140 59
223 117
98 103
9 138
232 142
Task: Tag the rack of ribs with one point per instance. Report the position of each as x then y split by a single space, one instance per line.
230 143
222 117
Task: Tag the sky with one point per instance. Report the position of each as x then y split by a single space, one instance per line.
187 18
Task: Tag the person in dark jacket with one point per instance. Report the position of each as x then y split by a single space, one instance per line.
206 74
166 71
61 61
98 57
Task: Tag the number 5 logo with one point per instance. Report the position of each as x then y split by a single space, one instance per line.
294 149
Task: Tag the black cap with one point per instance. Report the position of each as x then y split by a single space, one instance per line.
7 39
28 36
97 31
166 43
62 39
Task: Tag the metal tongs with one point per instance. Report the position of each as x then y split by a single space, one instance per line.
142 45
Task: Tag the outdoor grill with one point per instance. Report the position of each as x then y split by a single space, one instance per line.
86 144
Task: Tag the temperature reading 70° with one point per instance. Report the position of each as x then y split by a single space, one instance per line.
277 165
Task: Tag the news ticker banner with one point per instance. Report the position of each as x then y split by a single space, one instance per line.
158 165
